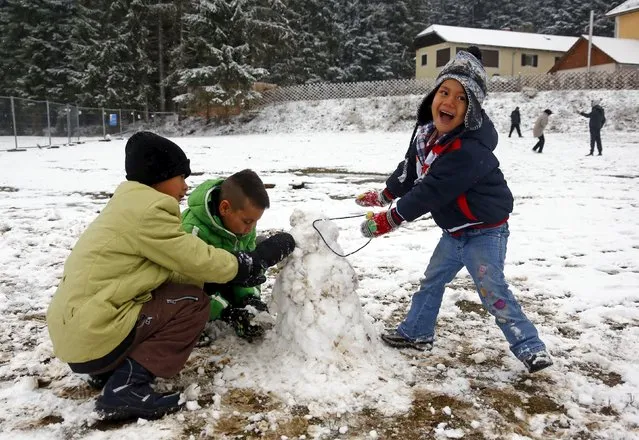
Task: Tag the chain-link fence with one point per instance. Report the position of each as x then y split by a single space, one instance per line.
25 123
619 80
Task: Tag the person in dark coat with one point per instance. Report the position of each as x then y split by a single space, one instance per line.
597 120
515 120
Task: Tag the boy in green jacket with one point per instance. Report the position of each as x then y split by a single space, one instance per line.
224 213
130 305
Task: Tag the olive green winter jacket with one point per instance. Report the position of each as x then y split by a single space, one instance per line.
201 219
133 246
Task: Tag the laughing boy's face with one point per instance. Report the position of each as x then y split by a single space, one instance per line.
449 106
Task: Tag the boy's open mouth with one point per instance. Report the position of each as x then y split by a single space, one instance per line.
446 116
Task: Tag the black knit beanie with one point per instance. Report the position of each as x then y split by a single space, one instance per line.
151 159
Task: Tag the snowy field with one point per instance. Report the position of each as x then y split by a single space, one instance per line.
573 261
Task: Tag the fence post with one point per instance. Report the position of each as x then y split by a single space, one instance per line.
15 130
103 124
68 109
120 121
77 120
48 122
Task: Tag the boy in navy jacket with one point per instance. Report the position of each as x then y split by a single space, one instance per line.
450 171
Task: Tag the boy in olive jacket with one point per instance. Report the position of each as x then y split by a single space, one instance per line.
130 304
224 213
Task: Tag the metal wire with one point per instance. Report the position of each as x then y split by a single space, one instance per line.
339 218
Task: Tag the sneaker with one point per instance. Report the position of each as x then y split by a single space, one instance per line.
396 340
537 361
128 395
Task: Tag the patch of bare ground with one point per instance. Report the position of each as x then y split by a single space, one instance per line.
514 406
426 414
469 306
594 371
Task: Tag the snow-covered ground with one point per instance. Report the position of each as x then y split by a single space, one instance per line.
573 261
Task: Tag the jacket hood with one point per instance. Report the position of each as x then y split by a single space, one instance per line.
198 201
486 134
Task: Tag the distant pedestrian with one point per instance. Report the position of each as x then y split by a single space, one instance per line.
515 120
538 130
597 120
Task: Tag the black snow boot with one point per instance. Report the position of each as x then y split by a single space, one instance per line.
128 395
97 381
394 339
537 361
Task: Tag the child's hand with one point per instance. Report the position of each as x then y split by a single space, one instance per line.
256 303
372 198
240 320
250 269
380 223
275 248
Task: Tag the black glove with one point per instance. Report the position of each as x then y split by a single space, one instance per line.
256 303
224 290
250 269
274 249
240 320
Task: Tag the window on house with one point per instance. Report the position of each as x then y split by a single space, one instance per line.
443 56
490 58
557 59
424 59
528 60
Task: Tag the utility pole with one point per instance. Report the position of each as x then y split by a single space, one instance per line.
592 19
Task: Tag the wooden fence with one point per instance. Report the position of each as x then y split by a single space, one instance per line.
618 80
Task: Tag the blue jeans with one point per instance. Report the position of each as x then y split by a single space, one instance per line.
483 252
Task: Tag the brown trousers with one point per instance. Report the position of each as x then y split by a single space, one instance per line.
167 329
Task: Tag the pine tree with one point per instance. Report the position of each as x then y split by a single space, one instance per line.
33 42
215 71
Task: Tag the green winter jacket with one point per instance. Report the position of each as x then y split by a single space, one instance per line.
198 219
132 247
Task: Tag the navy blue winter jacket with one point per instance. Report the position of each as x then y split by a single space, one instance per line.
464 186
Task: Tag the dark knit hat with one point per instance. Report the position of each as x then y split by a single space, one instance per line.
466 68
151 159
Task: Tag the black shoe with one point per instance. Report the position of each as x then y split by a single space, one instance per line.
599 154
128 395
589 154
240 320
396 340
97 381
537 361
255 302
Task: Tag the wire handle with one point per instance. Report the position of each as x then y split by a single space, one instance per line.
339 218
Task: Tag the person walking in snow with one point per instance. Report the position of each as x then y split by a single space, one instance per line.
224 213
130 305
450 171
597 120
538 130
515 120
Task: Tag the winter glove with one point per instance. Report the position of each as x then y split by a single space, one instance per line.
275 248
223 290
380 223
240 320
250 269
256 303
375 198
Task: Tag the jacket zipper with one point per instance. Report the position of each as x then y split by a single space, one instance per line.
175 301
